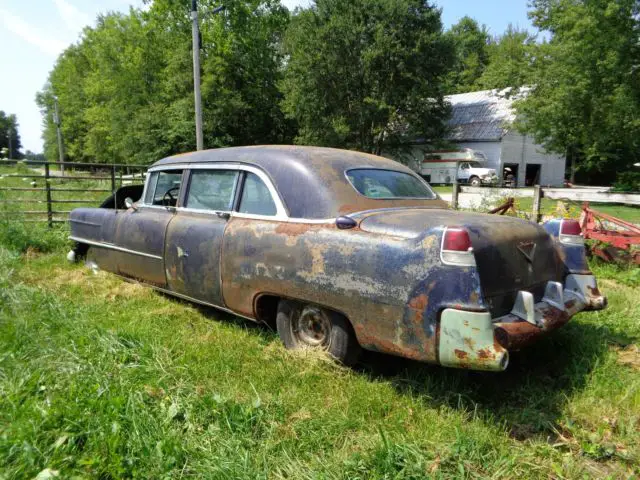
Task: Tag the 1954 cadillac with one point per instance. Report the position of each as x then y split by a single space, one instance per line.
342 251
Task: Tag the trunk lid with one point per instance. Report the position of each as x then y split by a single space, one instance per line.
511 254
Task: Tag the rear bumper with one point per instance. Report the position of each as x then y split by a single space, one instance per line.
476 341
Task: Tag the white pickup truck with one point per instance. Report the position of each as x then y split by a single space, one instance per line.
442 167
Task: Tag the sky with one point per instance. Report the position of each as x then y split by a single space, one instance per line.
34 32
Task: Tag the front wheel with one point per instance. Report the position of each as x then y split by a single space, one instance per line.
309 326
475 182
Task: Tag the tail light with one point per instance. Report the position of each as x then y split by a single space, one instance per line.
571 232
456 247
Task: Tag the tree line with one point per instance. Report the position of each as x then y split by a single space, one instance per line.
366 74
9 135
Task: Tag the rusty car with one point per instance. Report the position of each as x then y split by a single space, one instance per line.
341 251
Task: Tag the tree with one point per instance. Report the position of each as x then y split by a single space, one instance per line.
586 96
471 42
510 60
125 90
9 136
358 72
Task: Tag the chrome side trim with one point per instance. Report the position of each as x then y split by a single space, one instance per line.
281 212
111 246
84 222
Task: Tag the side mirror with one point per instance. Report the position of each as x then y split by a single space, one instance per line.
129 203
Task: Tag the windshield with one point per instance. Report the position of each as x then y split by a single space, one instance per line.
475 164
388 184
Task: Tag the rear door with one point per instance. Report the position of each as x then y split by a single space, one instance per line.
141 232
194 236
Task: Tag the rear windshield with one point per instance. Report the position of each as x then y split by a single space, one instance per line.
388 184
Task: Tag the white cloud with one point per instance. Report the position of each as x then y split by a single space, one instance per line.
74 19
30 33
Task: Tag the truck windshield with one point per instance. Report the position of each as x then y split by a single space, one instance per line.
388 184
475 164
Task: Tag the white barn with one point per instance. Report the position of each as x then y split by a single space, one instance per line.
482 121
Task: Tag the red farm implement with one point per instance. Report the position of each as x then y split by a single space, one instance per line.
612 239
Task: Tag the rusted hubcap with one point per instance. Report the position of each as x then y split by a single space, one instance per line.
313 327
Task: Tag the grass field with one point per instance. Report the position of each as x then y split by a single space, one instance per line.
105 379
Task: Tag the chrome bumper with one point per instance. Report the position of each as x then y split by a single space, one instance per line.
476 341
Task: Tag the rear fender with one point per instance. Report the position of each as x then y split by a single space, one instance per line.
574 257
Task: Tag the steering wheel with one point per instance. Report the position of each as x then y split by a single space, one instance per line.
168 200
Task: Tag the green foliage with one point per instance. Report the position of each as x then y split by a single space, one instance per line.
9 135
471 42
126 88
358 72
585 100
627 182
510 60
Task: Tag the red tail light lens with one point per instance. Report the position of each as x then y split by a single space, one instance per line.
456 239
570 227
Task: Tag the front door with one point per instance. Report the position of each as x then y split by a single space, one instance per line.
141 232
194 236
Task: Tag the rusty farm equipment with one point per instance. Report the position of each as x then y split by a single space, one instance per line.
612 239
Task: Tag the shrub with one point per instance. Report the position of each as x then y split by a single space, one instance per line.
627 182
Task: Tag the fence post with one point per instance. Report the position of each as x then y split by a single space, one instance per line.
537 197
454 194
47 187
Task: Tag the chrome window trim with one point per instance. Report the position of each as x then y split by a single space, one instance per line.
208 210
281 211
111 246
411 174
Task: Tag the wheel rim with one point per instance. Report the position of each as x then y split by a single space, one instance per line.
312 327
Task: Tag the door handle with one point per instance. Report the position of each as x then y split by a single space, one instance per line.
225 215
182 253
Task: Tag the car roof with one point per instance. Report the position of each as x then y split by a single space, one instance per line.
310 180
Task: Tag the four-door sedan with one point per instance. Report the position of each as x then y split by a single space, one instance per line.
342 251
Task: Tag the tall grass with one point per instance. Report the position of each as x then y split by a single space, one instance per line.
104 379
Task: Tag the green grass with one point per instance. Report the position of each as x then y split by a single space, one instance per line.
100 378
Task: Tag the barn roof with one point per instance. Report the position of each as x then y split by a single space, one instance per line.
481 116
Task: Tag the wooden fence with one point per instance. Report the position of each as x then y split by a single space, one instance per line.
58 189
537 193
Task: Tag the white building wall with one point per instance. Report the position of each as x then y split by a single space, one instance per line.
522 150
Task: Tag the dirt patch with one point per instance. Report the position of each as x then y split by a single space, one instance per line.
629 356
125 290
31 253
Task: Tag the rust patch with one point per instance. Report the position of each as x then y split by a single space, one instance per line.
419 303
461 354
594 291
485 354
474 297
292 229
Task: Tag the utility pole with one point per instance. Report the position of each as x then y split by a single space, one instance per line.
56 120
9 135
195 34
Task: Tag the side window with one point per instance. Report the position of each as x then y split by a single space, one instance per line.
151 188
167 188
212 189
256 198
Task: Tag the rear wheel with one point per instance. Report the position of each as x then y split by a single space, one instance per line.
475 182
309 326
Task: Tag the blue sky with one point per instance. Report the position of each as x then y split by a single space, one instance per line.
34 32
